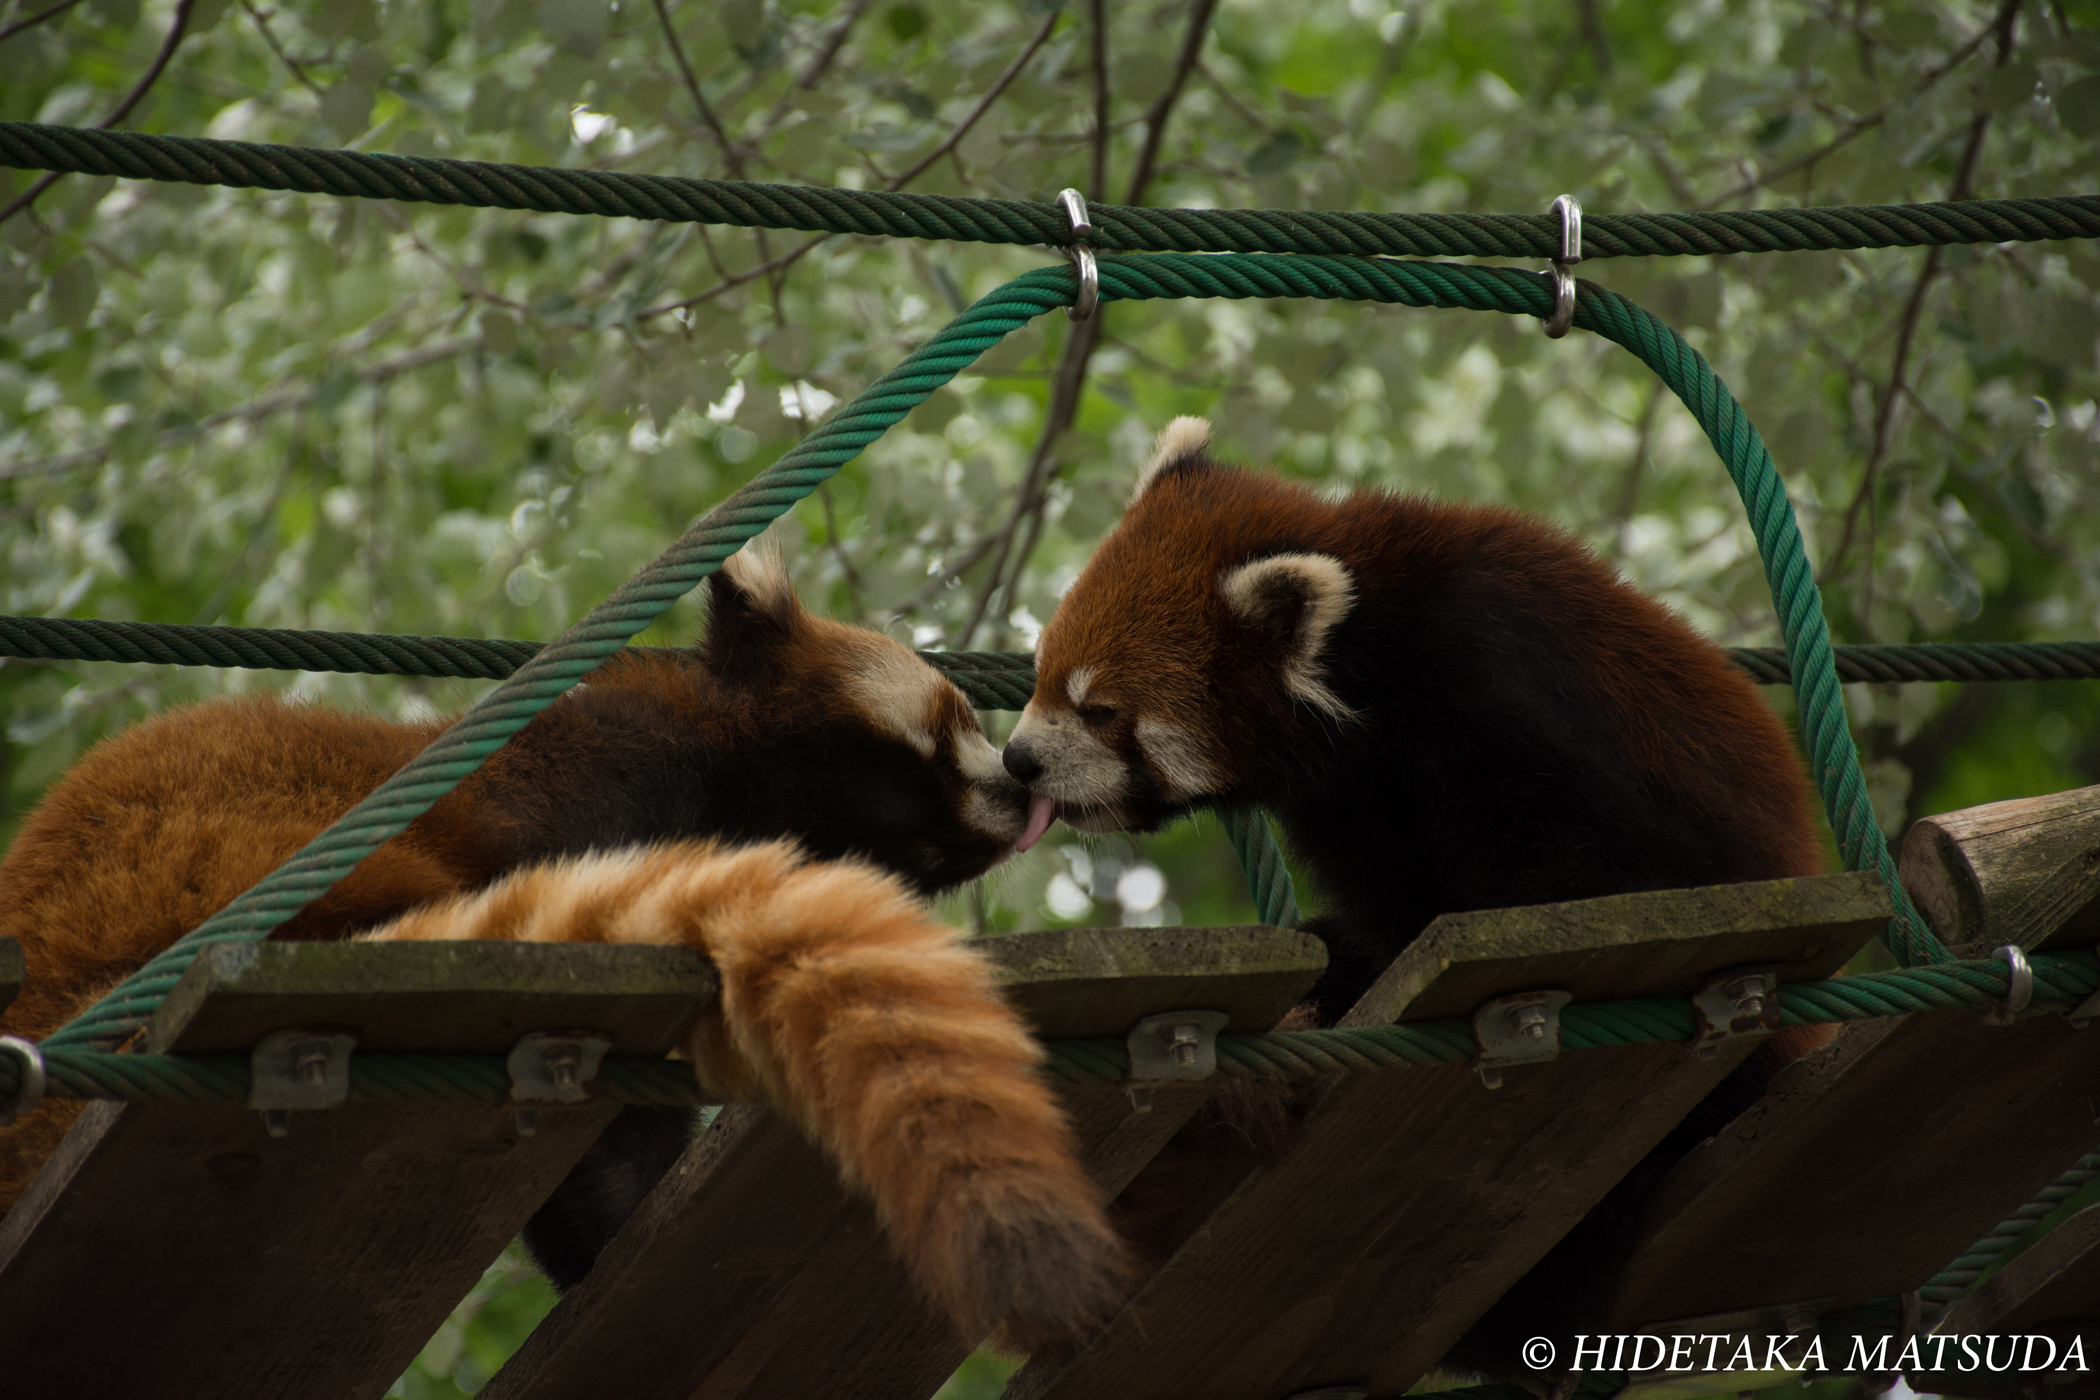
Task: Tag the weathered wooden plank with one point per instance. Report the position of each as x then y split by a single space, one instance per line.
749 1273
1819 1190
178 1250
1972 873
10 971
1416 1198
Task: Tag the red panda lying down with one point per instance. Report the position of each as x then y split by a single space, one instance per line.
610 818
1447 707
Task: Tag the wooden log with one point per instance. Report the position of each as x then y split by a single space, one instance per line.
1816 1192
2025 871
750 1273
176 1250
1417 1197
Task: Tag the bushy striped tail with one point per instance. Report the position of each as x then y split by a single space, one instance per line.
879 1032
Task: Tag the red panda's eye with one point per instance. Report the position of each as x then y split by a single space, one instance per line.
1096 715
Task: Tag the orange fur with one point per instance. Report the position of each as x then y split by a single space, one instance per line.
873 1027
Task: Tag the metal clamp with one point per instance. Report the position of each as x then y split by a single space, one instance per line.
553 1067
1522 1028
2019 988
30 1092
1082 256
1733 1004
1172 1047
1569 208
302 1069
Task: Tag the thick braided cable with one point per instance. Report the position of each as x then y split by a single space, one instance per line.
994 680
1939 661
2061 981
430 180
506 709
1268 878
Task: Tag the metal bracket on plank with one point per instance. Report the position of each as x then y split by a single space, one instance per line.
553 1067
1172 1047
1522 1028
1730 1005
298 1068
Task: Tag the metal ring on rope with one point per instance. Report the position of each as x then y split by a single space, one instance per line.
2019 988
1569 209
31 1091
1082 256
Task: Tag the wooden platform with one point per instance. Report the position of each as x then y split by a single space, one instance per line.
750 1273
2053 1291
1417 1197
1877 1160
178 1250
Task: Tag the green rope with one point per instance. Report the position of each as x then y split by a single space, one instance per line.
429 180
507 708
2061 981
1268 878
994 680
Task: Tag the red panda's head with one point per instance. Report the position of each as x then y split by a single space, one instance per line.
1193 639
858 746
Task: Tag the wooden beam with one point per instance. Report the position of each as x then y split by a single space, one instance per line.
1417 1197
750 1273
175 1250
1978 875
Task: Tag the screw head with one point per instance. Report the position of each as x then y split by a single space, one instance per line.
310 1060
1185 1038
1748 994
563 1062
1530 1022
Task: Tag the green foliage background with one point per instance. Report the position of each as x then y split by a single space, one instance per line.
271 410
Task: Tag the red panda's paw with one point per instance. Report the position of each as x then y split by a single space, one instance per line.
1025 1263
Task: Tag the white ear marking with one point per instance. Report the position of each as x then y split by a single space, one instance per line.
1177 442
896 689
1309 593
761 576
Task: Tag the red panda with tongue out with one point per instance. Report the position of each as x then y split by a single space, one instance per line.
1447 707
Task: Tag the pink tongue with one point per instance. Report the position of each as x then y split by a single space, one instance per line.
1041 812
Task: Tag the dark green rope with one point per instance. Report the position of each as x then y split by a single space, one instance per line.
1268 878
2061 981
430 180
994 680
507 708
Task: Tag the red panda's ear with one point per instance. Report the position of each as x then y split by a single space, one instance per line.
1182 442
751 607
1291 602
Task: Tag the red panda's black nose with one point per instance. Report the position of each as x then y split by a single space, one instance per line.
1021 763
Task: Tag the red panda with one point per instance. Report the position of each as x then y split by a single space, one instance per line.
775 800
1447 707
